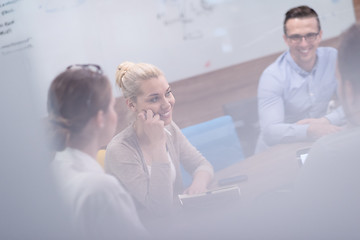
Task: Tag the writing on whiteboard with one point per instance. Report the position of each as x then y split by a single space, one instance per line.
59 6
186 13
11 42
16 46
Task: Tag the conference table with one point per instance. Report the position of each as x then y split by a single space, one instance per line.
273 170
270 171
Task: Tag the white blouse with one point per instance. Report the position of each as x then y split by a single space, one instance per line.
172 169
99 206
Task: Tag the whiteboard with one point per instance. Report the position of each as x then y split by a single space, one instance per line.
184 38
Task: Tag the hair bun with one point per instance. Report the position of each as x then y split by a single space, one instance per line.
121 71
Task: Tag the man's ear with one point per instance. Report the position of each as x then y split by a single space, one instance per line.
131 105
285 39
320 35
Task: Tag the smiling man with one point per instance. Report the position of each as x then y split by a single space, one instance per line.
294 92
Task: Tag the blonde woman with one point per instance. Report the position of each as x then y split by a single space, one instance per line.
146 156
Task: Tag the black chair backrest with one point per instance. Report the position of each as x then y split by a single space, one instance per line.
245 116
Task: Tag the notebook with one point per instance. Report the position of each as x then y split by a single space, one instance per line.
217 196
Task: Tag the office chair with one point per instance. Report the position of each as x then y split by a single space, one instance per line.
217 140
246 121
100 157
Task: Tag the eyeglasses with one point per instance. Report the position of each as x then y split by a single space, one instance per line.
92 67
297 38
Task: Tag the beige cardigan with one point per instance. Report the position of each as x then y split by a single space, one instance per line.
125 161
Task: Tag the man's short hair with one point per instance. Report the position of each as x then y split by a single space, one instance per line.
349 56
301 12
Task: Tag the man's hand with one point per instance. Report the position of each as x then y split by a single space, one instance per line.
319 127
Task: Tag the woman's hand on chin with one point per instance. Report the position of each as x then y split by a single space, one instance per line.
150 129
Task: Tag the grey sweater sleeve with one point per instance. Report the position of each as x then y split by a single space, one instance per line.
192 160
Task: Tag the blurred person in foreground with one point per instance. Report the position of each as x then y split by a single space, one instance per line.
82 119
329 183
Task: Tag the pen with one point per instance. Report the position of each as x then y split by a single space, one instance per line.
168 131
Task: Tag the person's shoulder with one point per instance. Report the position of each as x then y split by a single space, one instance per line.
63 164
330 157
174 133
123 148
94 190
173 130
278 63
327 51
126 136
347 136
99 184
343 142
277 68
275 74
172 127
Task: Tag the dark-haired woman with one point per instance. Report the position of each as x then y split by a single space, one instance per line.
82 119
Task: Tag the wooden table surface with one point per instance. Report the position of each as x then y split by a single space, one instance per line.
272 170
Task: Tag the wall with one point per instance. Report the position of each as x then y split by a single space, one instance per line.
184 38
357 9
